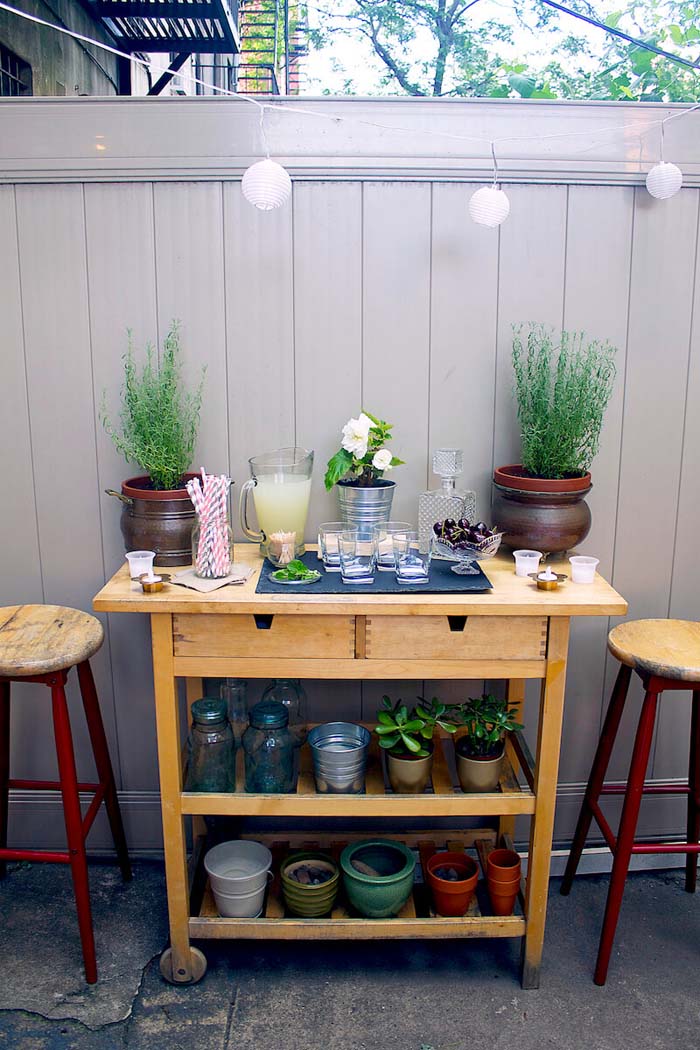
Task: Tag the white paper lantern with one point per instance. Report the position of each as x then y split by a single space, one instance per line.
266 184
489 206
664 180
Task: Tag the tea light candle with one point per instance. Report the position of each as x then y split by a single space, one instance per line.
547 580
547 574
150 582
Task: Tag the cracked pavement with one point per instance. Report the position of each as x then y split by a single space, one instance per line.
441 995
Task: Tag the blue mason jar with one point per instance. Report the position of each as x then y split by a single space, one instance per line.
269 750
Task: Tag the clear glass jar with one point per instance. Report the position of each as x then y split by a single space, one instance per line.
291 693
269 750
211 752
212 548
234 692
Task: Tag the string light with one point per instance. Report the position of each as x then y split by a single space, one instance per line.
266 184
664 180
490 206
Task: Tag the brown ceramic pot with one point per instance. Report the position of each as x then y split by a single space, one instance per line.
548 515
409 775
476 773
452 898
159 520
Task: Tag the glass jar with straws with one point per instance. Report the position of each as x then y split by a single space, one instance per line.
212 537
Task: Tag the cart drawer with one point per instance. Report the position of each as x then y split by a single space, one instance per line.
261 636
456 637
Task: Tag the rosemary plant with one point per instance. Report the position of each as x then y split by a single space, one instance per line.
563 383
158 418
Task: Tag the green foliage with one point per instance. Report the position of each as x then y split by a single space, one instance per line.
359 466
563 383
296 572
406 733
158 419
487 719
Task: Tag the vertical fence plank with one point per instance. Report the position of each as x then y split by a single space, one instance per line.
259 330
62 413
328 361
122 292
661 297
599 227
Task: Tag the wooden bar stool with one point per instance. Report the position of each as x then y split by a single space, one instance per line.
40 643
666 656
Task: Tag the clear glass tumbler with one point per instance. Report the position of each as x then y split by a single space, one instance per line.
383 546
411 563
329 543
358 558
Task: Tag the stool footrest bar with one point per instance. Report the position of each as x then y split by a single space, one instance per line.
48 785
50 856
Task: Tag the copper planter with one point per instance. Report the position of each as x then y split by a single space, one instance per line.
548 515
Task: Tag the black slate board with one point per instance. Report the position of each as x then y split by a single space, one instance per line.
442 581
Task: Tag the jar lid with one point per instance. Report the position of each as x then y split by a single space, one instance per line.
209 710
269 714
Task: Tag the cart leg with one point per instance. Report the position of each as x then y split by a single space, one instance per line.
542 825
168 727
515 692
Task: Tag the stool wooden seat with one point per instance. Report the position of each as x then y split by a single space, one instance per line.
38 639
665 648
41 643
666 656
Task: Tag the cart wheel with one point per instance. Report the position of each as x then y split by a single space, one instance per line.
198 963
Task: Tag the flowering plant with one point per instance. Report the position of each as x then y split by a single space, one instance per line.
363 456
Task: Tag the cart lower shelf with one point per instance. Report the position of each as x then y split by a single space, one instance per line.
417 919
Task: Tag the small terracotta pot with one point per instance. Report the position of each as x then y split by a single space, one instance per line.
452 898
503 903
409 775
503 865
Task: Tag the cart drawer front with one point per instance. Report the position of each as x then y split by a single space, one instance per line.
310 637
457 637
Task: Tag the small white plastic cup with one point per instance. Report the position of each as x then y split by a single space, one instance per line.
140 562
583 568
526 562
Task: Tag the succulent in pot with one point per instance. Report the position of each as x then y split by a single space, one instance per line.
481 749
407 738
357 471
563 383
157 429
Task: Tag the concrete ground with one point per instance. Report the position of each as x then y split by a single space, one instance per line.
364 996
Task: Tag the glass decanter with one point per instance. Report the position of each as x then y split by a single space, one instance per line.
447 501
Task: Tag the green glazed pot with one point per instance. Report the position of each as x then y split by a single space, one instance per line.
309 901
384 894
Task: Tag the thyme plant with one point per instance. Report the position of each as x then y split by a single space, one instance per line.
563 382
158 418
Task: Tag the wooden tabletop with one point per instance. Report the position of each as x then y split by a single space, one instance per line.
511 595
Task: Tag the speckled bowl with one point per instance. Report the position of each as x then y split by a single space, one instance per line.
382 895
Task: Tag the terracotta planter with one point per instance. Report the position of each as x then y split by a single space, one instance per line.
159 520
409 775
544 514
476 773
452 898
503 880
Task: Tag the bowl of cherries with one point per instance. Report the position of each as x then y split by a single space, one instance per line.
464 543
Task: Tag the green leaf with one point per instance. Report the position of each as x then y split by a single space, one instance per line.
677 34
427 732
411 745
385 718
295 565
396 462
338 467
383 730
388 742
523 85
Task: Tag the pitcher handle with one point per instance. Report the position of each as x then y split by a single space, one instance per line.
257 537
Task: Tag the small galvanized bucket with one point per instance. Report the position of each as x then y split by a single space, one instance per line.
365 505
339 752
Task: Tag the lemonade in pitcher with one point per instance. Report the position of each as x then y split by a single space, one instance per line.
281 486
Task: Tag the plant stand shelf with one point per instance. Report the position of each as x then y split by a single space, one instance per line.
416 919
514 633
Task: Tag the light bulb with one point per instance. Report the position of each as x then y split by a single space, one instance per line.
489 206
664 180
266 185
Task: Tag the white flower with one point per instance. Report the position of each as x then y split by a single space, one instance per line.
382 459
356 435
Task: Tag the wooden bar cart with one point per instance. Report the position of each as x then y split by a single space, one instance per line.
515 632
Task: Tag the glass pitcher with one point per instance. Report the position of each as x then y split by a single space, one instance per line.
281 485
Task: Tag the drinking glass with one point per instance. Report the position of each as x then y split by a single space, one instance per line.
357 558
329 543
412 565
382 538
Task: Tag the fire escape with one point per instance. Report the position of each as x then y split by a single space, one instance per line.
273 36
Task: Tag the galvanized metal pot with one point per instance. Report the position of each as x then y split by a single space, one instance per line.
159 520
339 751
365 505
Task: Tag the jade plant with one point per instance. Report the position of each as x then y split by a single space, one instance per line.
405 733
159 418
487 719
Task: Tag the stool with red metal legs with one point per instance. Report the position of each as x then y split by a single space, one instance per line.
41 643
666 656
